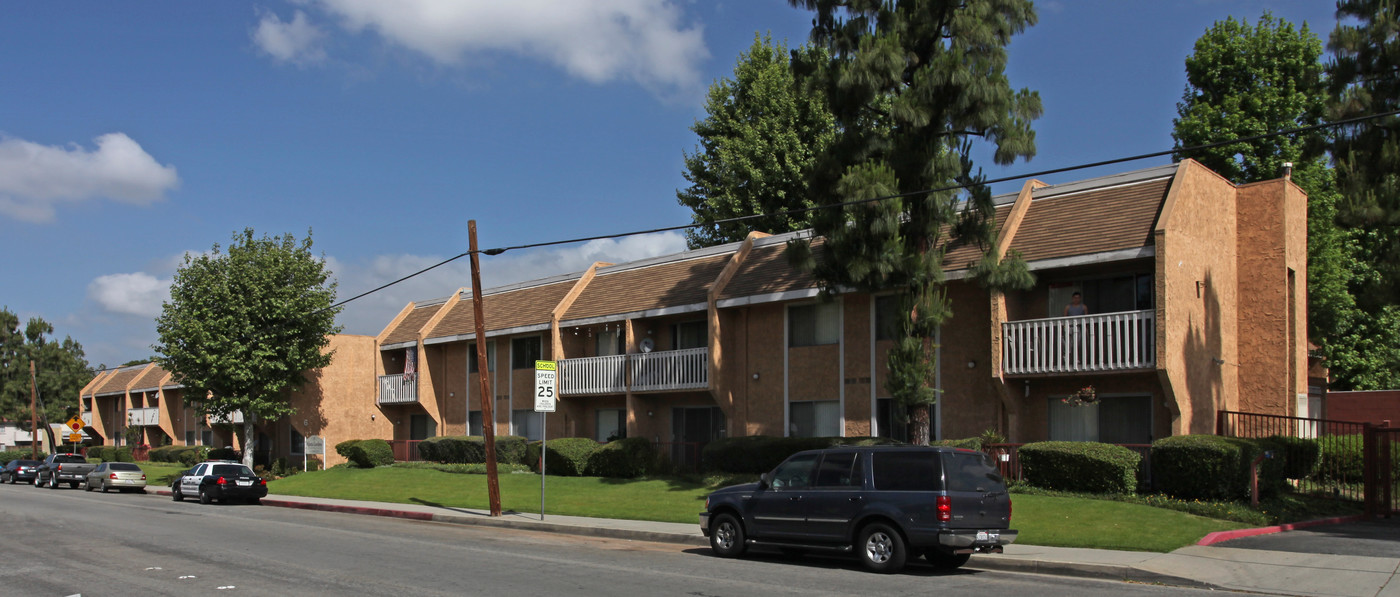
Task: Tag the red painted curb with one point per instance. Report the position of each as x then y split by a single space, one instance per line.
1220 536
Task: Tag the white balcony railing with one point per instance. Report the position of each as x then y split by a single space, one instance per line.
395 389
593 375
645 372
236 418
149 416
1081 344
87 419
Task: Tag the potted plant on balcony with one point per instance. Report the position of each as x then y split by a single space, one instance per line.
1082 396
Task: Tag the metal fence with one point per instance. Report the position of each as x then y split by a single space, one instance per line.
683 456
1382 471
405 450
1340 470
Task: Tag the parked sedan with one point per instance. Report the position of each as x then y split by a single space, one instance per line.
124 476
19 470
222 481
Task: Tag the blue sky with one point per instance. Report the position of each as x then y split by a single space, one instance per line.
131 133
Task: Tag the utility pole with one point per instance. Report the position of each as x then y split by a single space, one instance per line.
33 414
488 417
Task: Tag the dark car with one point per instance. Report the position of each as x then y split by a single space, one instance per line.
884 503
19 470
219 480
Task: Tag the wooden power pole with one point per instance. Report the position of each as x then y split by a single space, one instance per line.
488 417
33 414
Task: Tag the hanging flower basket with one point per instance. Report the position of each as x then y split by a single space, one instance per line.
1085 395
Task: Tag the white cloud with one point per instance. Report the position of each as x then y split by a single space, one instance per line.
35 178
295 42
370 314
131 294
598 41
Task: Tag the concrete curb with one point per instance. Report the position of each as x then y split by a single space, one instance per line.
1085 570
1220 536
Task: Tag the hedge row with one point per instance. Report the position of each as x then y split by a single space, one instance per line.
471 449
626 458
1087 467
565 457
111 453
186 455
8 455
1211 467
758 454
366 453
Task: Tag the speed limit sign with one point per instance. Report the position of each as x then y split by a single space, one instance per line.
546 374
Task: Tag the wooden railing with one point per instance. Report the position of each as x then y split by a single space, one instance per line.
1080 344
143 416
593 375
398 389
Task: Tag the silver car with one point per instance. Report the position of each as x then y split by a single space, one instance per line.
122 476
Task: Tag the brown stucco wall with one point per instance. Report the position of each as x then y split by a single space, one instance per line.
1195 273
338 402
1272 352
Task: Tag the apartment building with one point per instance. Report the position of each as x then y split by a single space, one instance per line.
1162 295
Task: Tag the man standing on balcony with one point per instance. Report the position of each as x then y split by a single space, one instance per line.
1076 306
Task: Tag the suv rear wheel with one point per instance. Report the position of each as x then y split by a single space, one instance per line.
727 538
881 548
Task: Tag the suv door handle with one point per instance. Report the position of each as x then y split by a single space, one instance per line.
854 499
794 498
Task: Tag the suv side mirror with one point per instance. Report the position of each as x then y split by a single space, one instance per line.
765 481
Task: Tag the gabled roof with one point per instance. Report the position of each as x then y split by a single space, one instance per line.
150 380
1093 220
766 271
407 330
505 308
630 288
118 380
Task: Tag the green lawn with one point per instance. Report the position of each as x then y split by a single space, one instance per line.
160 474
1042 520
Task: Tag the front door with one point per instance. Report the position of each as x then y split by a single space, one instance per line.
421 427
692 427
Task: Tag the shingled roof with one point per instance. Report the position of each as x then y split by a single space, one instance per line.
1091 221
657 284
117 381
150 380
407 330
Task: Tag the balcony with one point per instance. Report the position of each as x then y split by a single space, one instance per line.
1123 341
397 389
236 419
87 419
149 416
666 370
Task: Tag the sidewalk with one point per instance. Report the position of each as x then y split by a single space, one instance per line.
1274 572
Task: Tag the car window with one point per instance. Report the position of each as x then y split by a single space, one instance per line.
795 472
972 471
123 466
63 458
231 470
839 469
100 468
906 471
198 470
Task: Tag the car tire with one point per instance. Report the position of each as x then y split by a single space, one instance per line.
727 537
881 548
53 482
204 496
88 488
105 488
175 493
255 501
943 560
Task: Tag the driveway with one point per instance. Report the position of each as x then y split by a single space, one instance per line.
1374 538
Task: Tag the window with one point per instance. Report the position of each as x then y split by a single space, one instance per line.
796 472
1132 292
206 437
815 324
691 334
297 442
887 312
906 471
474 424
1113 420
421 427
526 423
971 472
839 470
609 343
190 439
524 352
473 366
610 424
814 419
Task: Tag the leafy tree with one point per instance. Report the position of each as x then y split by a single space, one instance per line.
911 84
1365 79
1244 81
60 371
243 326
757 147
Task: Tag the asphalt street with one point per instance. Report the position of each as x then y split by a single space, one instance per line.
68 542
1374 538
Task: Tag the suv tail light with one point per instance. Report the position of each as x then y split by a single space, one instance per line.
223 481
945 508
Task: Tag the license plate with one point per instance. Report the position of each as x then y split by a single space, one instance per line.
244 483
986 536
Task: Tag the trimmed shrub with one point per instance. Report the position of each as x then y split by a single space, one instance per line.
1087 467
971 443
757 454
625 458
121 454
101 453
566 456
186 455
1298 457
471 449
366 453
1340 458
1210 467
8 455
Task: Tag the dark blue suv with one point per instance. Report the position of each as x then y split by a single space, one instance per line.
885 503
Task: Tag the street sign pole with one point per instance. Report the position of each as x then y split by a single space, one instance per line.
546 376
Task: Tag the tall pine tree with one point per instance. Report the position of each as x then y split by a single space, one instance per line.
912 84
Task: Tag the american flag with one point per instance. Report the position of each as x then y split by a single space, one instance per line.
410 362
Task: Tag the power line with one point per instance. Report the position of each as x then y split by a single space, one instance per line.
803 210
